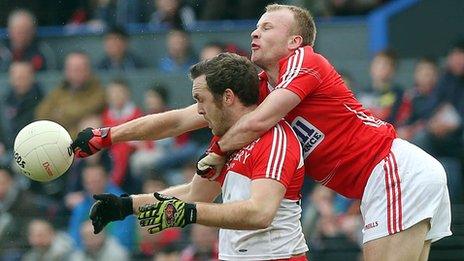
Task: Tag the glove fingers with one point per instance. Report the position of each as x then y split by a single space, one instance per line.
103 197
94 210
97 226
154 230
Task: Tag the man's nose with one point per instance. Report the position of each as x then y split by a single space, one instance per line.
254 34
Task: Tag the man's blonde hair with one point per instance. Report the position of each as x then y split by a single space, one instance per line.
304 22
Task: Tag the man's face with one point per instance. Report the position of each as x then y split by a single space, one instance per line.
77 69
95 180
21 31
208 107
455 62
269 42
21 77
115 46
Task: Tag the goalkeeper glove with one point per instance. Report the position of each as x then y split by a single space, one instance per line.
167 212
109 207
90 141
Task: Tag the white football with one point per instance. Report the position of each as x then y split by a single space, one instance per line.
42 150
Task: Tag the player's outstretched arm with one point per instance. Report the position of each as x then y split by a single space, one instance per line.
150 127
110 207
160 125
198 190
252 125
254 213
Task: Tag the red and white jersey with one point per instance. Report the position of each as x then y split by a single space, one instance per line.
342 141
276 155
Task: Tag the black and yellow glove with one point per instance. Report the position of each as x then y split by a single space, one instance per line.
167 212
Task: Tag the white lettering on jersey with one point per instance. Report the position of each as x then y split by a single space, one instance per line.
308 135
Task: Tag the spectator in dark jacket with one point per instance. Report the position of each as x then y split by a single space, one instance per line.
21 100
23 44
117 55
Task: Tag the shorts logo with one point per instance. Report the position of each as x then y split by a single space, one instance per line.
308 135
371 225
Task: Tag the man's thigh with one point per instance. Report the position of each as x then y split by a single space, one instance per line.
405 245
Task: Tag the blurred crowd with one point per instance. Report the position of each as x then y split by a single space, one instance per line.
177 13
49 221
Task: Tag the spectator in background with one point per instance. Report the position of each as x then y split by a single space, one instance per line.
22 98
117 55
332 221
444 136
180 55
204 244
23 44
74 188
117 12
120 109
96 181
65 104
17 207
98 247
384 98
46 243
425 79
150 152
210 50
155 99
173 14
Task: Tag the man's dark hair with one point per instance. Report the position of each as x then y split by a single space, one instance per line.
118 31
229 71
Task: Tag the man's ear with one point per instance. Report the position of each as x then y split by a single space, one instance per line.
228 97
295 42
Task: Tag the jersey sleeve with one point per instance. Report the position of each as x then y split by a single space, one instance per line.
300 74
276 156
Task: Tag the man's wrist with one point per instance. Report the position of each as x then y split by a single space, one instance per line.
215 148
106 137
190 213
127 205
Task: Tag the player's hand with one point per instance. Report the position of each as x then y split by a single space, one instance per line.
167 212
209 165
90 141
107 208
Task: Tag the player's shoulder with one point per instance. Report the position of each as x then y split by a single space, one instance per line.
281 133
303 57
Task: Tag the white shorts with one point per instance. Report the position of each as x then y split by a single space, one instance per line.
405 188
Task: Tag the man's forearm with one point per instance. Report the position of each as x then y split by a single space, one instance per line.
180 192
240 215
242 133
158 126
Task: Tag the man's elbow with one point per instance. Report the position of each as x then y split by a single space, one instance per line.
263 220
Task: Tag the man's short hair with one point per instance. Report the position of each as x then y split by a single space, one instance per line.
22 12
304 22
229 71
117 31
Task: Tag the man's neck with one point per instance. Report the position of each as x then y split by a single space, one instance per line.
237 113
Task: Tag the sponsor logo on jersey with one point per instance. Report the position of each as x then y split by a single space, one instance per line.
308 135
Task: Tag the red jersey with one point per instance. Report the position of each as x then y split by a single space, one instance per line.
342 141
275 155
